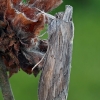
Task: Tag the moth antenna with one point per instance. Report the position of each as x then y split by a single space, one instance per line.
46 14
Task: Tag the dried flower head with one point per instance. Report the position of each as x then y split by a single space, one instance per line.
20 25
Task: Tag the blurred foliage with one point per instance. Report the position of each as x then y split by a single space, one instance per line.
25 1
85 81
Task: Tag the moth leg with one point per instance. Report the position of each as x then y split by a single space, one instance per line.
38 63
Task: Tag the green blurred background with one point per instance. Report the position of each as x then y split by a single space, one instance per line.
85 73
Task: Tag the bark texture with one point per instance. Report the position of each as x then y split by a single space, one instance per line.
55 75
4 82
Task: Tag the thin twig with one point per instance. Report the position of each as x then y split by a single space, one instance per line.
4 82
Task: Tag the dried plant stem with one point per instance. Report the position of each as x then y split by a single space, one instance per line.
4 82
